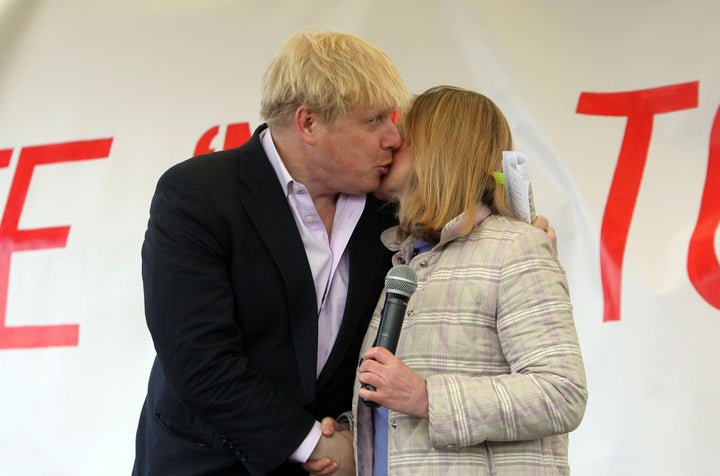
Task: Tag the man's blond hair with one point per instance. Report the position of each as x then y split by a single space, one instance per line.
330 73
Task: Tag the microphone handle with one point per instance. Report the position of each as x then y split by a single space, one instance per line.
391 321
370 403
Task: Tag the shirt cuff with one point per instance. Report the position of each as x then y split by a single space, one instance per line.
303 452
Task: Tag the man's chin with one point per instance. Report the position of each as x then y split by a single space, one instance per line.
382 194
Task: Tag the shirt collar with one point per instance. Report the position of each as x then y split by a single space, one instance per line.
286 181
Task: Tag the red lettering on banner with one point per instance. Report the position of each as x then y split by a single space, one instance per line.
5 157
640 107
13 239
703 267
235 136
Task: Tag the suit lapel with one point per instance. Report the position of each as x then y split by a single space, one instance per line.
267 208
368 264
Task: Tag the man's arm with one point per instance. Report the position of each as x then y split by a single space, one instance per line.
190 310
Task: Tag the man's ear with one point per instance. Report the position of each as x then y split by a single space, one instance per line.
306 122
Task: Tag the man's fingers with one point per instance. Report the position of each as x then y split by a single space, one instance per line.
541 222
328 425
320 467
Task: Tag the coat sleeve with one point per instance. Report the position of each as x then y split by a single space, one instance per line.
190 312
544 393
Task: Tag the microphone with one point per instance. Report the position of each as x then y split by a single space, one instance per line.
400 284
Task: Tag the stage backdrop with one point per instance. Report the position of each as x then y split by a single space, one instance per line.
615 103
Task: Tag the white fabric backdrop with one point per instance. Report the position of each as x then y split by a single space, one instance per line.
146 79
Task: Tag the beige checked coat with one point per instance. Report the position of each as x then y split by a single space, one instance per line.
490 327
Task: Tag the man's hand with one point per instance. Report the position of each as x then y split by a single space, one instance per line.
334 452
543 223
330 426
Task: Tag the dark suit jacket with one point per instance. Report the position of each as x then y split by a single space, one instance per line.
231 306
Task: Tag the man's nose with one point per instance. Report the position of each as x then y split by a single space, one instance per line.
392 139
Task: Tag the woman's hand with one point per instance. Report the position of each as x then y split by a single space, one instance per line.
397 387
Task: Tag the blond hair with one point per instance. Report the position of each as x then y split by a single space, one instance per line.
457 137
330 73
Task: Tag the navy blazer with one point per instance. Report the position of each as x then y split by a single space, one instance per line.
231 307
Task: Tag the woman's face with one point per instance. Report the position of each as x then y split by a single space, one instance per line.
393 181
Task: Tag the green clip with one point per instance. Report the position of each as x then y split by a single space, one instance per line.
499 178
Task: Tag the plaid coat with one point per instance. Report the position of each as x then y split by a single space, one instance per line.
490 327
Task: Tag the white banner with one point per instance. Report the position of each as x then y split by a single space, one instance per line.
615 104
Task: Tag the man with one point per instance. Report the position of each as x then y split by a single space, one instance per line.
262 266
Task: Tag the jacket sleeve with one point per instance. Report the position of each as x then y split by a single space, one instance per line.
544 393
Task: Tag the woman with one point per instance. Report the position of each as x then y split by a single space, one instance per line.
487 377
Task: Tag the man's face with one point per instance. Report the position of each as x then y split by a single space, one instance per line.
356 151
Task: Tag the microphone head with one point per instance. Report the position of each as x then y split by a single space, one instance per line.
401 279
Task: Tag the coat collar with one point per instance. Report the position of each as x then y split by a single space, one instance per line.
449 233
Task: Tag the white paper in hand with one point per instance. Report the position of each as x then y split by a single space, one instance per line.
518 186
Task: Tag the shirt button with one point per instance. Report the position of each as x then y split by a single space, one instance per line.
309 218
393 425
423 263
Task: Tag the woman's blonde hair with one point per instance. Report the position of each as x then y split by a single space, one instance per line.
457 137
330 73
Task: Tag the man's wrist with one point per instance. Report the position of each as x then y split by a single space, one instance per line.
306 448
